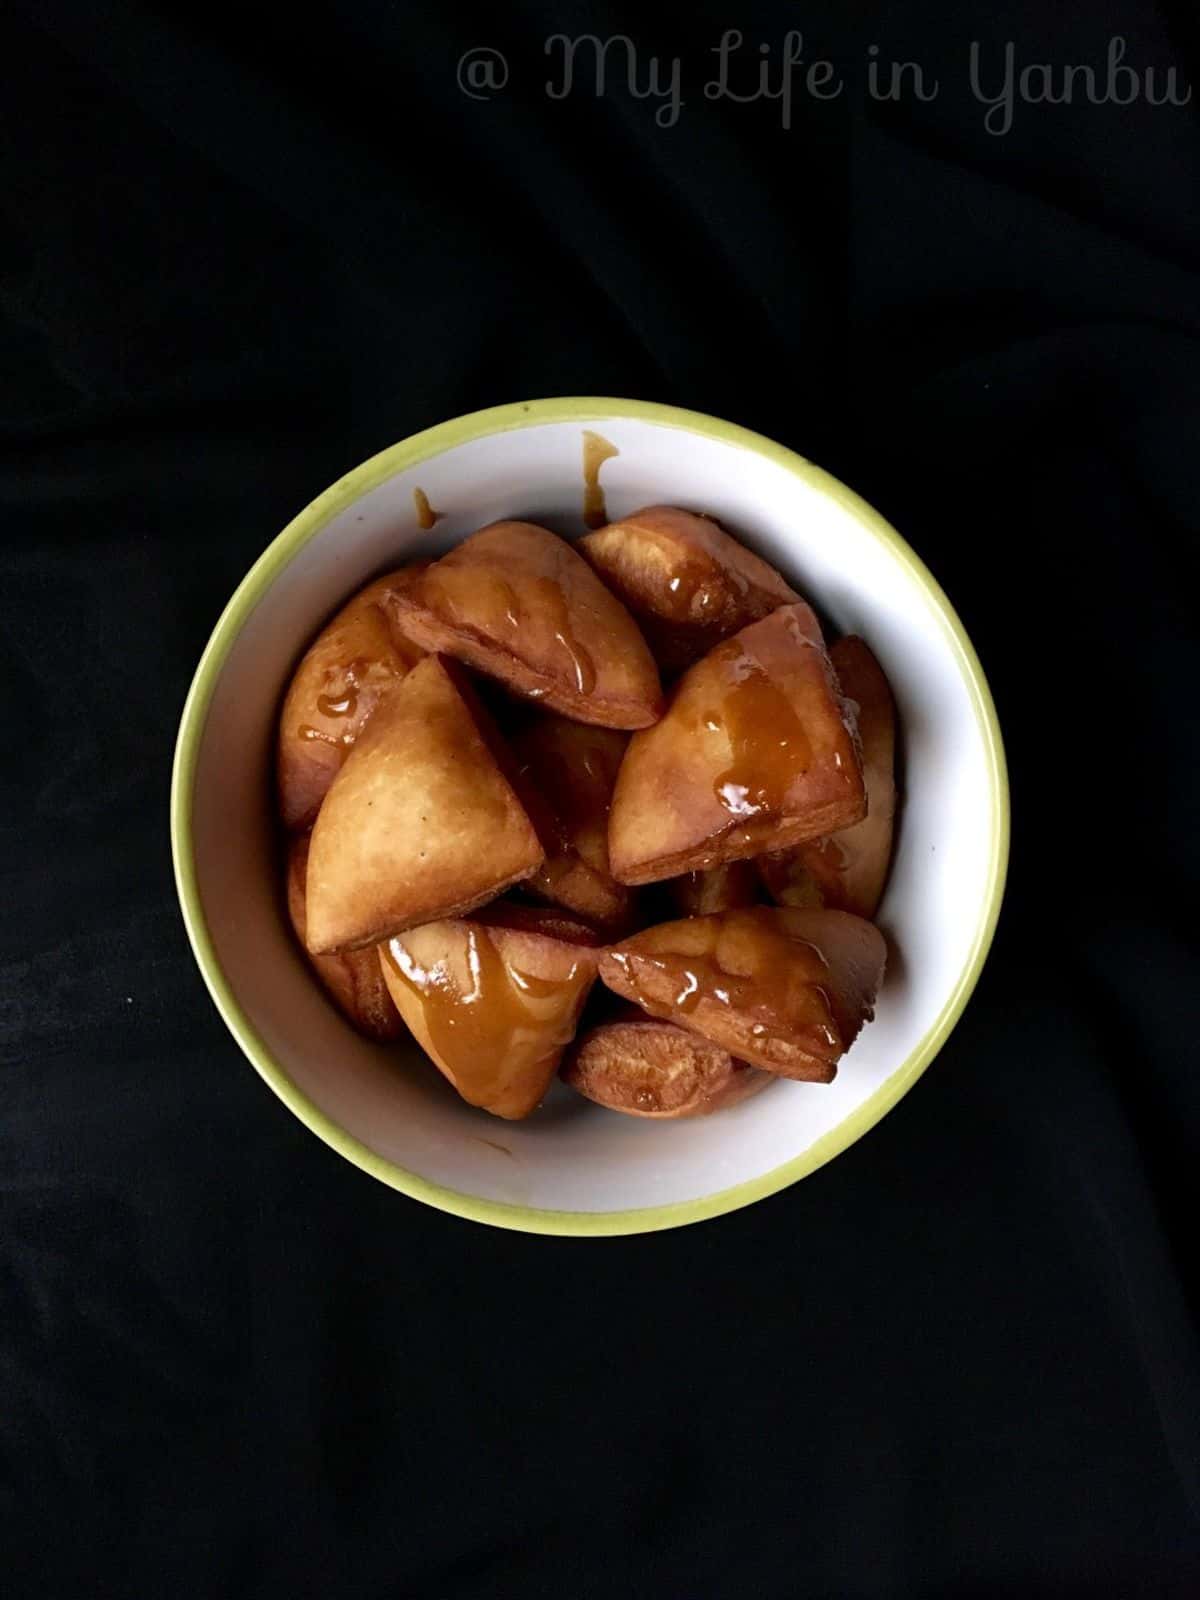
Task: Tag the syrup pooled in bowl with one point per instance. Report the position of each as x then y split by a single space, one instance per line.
596 451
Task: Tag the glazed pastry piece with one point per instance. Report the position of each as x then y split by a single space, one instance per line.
648 1068
566 772
687 583
782 989
353 979
493 1000
421 823
847 871
353 661
723 888
755 753
517 602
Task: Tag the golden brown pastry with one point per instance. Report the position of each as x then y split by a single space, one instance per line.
353 660
353 979
493 999
687 583
421 822
847 871
519 603
755 753
785 990
649 1068
565 774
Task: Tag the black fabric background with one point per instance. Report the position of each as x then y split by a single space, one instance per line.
244 249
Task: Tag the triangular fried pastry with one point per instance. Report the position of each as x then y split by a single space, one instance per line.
355 659
755 753
847 871
352 978
493 999
520 604
687 583
420 823
782 989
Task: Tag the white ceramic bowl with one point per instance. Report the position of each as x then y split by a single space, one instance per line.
574 1168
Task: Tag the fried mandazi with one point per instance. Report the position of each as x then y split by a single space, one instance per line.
755 753
566 772
847 871
493 1000
687 583
520 604
352 978
645 1067
421 823
782 989
356 658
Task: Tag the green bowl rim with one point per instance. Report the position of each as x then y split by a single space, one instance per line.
369 475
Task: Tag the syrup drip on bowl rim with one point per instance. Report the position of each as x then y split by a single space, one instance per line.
427 517
596 451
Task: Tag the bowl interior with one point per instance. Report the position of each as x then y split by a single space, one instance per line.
574 1167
